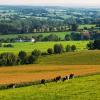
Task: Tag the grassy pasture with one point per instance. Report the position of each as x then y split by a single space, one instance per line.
79 63
42 46
60 34
82 88
73 58
86 25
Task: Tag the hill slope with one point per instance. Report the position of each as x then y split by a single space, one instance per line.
73 58
83 88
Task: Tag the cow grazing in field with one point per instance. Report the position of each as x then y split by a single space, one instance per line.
65 78
57 78
11 86
43 81
71 76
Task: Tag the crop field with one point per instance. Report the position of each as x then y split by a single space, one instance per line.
27 73
42 46
82 88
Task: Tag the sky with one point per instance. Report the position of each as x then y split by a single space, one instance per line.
87 3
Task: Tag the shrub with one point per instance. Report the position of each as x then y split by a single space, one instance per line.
50 51
96 44
58 48
68 48
73 47
36 53
8 45
44 53
8 59
22 57
90 46
32 59
0 44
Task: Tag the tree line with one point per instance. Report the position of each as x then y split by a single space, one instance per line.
10 59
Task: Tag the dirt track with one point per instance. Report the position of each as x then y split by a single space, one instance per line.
37 72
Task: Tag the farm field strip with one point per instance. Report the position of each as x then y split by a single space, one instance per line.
36 72
82 88
43 46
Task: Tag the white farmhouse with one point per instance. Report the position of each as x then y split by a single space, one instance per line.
32 40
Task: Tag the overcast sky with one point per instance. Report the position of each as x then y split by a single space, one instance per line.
52 2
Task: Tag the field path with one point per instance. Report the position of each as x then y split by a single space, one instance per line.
36 72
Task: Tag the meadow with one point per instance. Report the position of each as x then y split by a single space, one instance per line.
60 34
82 88
86 57
42 46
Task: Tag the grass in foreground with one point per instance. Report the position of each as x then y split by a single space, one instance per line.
82 88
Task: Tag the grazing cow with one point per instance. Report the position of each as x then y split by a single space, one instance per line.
71 76
57 78
43 81
65 78
11 86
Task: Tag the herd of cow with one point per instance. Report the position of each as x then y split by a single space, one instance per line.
58 78
43 81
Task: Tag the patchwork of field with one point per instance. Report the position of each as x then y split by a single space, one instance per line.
82 88
27 73
42 46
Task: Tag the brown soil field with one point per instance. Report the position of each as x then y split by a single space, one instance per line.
27 73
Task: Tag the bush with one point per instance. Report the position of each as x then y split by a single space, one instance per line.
44 53
0 44
36 53
96 44
8 59
58 48
50 51
22 57
90 46
68 48
8 45
32 59
73 47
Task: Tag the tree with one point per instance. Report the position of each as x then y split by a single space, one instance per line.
8 59
32 59
73 47
50 51
58 48
67 37
74 27
51 37
68 48
90 46
36 53
96 44
22 57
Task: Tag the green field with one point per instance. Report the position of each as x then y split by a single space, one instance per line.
86 25
82 88
43 46
60 34
73 58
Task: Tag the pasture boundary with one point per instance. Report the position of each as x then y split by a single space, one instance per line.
24 84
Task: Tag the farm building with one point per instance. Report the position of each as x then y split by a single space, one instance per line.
25 40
